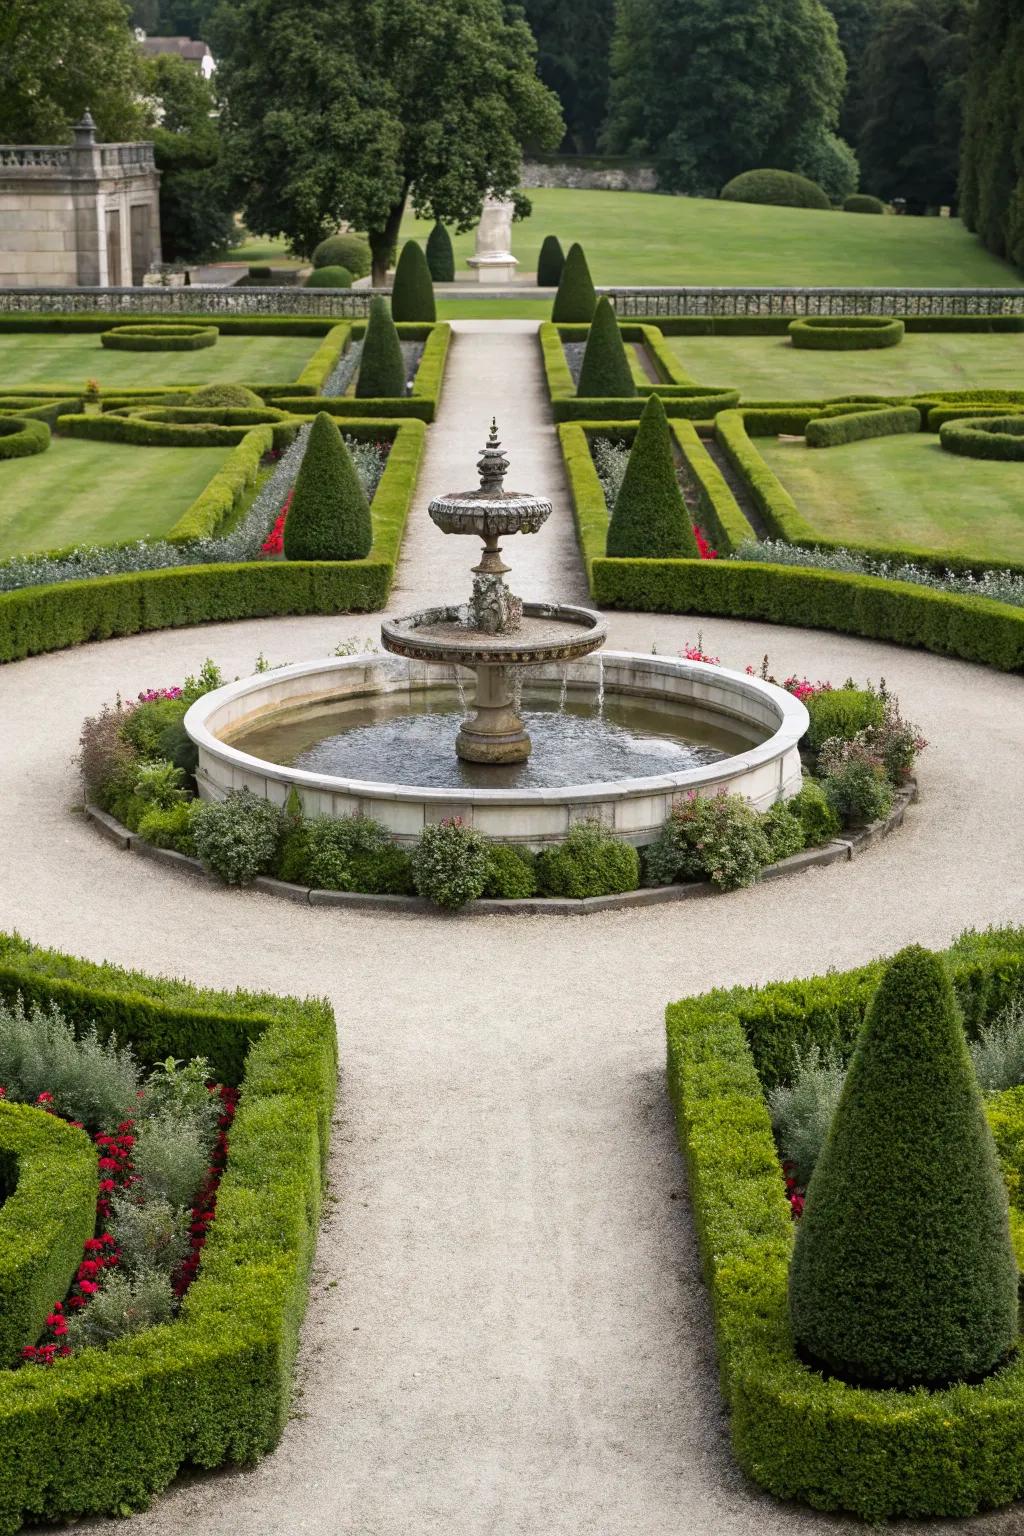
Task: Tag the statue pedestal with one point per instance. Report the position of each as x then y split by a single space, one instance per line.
497 267
492 261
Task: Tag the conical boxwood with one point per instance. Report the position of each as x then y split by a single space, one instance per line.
605 369
903 1274
412 296
649 520
550 262
575 299
329 518
440 256
382 366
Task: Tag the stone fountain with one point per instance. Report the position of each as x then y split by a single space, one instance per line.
496 634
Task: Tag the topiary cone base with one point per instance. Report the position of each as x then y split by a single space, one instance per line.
495 734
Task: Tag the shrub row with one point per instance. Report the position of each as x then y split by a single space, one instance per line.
50 1182
22 436
939 414
855 426
222 495
850 333
160 338
991 437
227 325
680 396
158 426
110 1427
795 1432
778 325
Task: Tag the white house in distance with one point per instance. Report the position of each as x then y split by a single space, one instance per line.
188 48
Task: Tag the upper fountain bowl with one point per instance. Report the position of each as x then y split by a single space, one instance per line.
547 632
489 510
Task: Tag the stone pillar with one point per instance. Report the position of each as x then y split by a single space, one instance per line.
493 261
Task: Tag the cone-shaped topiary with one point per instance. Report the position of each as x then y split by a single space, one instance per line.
649 520
412 296
440 256
382 366
903 1273
575 299
605 369
329 518
550 262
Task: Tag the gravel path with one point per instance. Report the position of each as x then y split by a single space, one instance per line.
507 1329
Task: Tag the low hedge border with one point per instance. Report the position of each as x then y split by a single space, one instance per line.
171 426
160 338
103 1431
778 325
51 1181
856 426
989 437
680 395
850 333
830 1445
221 496
38 619
324 360
228 325
22 436
420 405
937 415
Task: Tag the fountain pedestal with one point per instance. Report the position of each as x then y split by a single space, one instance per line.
495 734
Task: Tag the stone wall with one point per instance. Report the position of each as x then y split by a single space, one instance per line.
590 174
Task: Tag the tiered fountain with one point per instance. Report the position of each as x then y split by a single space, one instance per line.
559 729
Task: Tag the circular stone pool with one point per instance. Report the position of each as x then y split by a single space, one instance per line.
617 737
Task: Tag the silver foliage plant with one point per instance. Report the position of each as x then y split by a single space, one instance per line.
611 461
998 1052
996 586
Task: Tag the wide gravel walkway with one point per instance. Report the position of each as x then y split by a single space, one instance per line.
507 1330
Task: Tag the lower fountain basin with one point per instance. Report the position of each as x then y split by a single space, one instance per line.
738 734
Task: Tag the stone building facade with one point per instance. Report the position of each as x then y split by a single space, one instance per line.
78 215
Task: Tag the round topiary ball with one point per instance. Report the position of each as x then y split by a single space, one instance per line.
226 397
784 189
862 202
329 277
349 251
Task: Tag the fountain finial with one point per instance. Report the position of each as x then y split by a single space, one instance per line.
492 464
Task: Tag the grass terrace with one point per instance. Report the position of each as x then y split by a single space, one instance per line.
51 358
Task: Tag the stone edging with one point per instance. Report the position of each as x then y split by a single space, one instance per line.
649 896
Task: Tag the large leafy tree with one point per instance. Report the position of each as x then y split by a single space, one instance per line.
856 21
345 109
992 177
914 78
196 210
58 57
714 87
573 57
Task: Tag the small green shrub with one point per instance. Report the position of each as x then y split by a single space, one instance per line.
412 296
91 1080
329 517
818 819
349 853
863 202
576 297
236 837
903 1273
784 829
854 781
841 712
449 864
802 1109
170 828
169 1159
148 1233
350 251
998 1050
550 262
381 367
511 873
590 862
714 837
124 1305
106 759
440 255
650 519
329 277
226 397
605 369
782 188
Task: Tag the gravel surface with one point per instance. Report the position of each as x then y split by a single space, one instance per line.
507 1330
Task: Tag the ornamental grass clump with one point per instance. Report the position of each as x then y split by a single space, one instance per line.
605 369
329 517
576 297
550 262
381 365
440 255
412 296
649 520
903 1273
449 864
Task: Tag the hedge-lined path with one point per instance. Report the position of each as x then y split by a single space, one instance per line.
507 1329
494 369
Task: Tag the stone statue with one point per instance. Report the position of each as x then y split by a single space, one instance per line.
493 261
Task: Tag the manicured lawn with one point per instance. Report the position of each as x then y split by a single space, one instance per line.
494 309
638 238
63 359
80 492
771 368
261 250
907 491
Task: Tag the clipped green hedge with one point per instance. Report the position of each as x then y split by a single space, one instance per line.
224 493
778 325
160 338
680 396
987 437
939 414
785 189
325 359
108 1428
179 426
22 436
855 426
876 1454
228 325
863 202
421 405
848 333
51 1182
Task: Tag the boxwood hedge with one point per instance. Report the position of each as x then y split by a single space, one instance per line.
101 1432
22 436
846 333
987 437
680 395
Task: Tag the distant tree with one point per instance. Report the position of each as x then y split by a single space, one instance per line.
914 81
992 176
713 87
573 60
343 109
58 57
173 18
856 21
196 210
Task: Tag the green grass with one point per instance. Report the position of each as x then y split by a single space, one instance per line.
263 251
640 238
771 368
51 358
80 492
904 491
494 309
